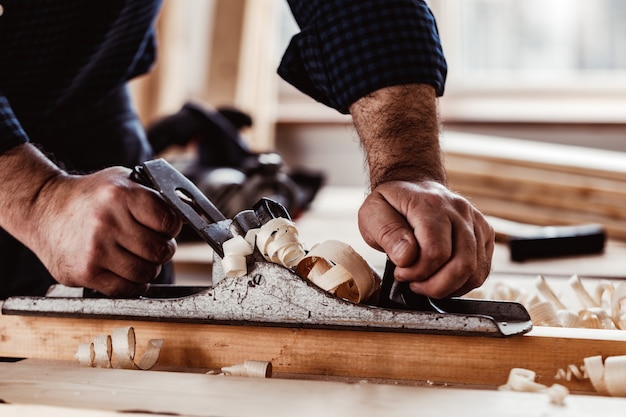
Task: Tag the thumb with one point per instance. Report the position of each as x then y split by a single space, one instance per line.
384 228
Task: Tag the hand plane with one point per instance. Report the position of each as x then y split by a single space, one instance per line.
269 294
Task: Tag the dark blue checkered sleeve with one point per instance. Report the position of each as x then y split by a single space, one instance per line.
347 49
59 59
11 132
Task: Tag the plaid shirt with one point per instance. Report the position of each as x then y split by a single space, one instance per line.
349 48
57 57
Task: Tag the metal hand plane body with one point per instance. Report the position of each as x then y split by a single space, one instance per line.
268 294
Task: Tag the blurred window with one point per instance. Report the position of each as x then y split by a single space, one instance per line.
533 43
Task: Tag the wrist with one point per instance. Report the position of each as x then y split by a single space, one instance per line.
25 177
399 130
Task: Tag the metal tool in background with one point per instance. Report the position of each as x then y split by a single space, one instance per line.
269 294
224 168
529 241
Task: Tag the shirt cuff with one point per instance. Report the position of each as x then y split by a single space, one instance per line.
346 50
11 132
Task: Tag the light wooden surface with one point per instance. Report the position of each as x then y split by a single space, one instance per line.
166 393
320 352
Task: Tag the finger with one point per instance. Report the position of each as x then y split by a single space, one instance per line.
112 285
132 268
385 229
459 271
435 242
486 243
147 244
462 275
150 209
485 238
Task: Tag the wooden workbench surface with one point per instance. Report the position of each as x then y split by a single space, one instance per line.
64 389
392 359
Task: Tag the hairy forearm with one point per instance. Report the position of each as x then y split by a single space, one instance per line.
24 175
399 131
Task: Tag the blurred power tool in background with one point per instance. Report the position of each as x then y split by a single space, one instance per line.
224 168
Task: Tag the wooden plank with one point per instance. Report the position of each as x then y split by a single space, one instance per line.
167 393
539 186
257 83
226 44
585 161
539 183
361 354
541 215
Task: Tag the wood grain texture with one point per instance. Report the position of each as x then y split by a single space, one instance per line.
64 385
544 184
360 354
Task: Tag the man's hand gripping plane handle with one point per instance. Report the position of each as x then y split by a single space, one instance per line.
441 245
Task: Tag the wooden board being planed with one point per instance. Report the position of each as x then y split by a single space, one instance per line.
358 354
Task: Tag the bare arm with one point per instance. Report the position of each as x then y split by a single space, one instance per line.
436 238
101 231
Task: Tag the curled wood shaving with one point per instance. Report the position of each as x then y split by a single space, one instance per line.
278 242
543 313
602 308
572 372
608 377
250 368
349 274
594 368
102 347
568 318
596 318
585 298
618 305
547 292
235 252
332 265
557 393
615 375
323 273
523 380
121 345
85 354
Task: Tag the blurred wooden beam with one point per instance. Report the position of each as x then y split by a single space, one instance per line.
539 183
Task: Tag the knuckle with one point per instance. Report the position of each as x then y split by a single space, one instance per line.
109 192
391 232
144 272
164 252
435 254
170 223
439 293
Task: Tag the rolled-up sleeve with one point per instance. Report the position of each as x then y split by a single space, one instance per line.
347 49
11 132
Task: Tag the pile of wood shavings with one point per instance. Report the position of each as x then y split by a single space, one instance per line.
331 265
523 380
602 308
